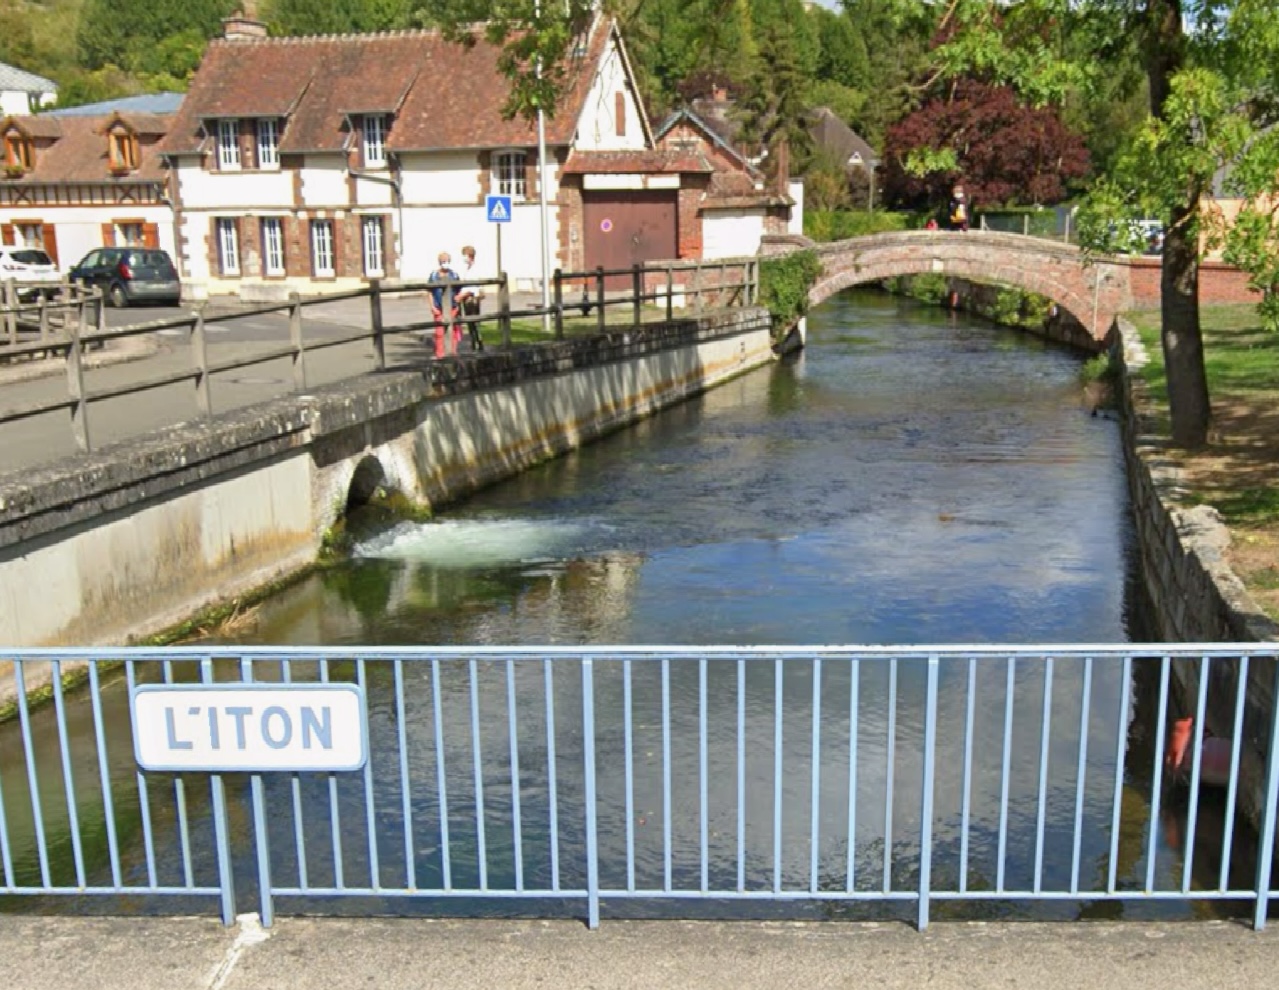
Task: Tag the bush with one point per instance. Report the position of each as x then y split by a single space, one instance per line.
837 225
784 283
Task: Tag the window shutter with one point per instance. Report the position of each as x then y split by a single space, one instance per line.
108 235
6 233
619 112
486 174
530 174
150 235
50 238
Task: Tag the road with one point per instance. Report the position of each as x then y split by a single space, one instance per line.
231 335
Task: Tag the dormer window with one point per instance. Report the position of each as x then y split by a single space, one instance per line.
19 156
229 145
122 151
268 143
375 141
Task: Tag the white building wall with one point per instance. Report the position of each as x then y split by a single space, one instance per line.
732 233
201 189
597 127
452 177
796 223
79 228
16 102
324 182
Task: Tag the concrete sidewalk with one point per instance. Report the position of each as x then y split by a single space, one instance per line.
310 954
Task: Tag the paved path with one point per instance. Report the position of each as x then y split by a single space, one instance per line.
319 954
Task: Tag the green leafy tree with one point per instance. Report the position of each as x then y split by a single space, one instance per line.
127 34
842 58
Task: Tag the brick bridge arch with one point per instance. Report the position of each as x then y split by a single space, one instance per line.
1094 294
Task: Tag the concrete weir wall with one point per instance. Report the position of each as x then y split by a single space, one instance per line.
131 540
1195 596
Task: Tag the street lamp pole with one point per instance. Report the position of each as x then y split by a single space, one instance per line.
541 192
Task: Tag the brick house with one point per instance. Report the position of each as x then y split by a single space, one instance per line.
74 183
317 163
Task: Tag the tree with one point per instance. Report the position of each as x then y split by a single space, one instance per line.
1004 151
842 58
123 35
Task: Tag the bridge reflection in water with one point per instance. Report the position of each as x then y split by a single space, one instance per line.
663 782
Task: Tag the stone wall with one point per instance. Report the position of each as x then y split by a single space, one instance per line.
1196 597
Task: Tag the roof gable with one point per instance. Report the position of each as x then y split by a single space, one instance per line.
836 137
690 119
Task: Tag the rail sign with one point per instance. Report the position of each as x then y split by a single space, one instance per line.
249 728
497 209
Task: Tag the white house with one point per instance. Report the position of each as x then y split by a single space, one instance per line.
24 92
316 163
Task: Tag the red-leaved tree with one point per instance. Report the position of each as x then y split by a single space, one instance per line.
1008 153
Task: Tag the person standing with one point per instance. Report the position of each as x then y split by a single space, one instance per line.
469 298
958 209
444 296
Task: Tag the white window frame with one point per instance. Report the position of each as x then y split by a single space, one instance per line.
322 259
273 246
228 246
509 171
268 143
30 235
374 127
373 240
228 145
123 230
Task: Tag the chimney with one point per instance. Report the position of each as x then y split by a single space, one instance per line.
719 94
243 25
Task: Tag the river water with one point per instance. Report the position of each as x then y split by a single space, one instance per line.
913 477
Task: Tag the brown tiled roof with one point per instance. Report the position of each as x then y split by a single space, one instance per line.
34 127
78 152
444 95
635 161
142 123
836 137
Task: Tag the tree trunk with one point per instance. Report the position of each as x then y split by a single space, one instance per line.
1180 332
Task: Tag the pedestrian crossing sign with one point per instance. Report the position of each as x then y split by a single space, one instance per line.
497 209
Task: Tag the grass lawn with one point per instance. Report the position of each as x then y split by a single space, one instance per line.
1238 471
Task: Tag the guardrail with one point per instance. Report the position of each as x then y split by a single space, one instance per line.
916 777
50 309
727 283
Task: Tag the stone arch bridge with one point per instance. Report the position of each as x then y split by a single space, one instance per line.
1094 293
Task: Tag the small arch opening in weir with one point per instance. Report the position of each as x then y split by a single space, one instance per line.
367 482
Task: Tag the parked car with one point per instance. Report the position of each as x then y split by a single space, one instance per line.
25 265
130 275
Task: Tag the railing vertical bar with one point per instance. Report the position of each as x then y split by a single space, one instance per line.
815 791
68 782
221 823
512 730
890 770
295 789
261 839
1042 805
1156 786
703 797
441 777
666 773
966 803
335 823
406 785
6 857
180 798
1081 775
926 811
592 841
144 798
1121 748
1236 745
1006 765
1266 849
33 779
370 809
741 769
628 729
777 774
104 774
854 704
481 847
552 793
1196 770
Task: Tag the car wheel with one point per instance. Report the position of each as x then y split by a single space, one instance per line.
118 299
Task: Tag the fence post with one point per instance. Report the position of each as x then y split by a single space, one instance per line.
1025 224
10 315
375 321
637 287
295 338
200 358
1266 841
588 747
670 294
504 309
926 812
44 318
558 280
697 287
599 295
75 384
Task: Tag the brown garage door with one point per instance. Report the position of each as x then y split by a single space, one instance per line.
628 227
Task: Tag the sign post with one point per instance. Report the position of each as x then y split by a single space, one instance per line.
497 210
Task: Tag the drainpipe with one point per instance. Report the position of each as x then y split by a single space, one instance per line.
397 200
